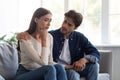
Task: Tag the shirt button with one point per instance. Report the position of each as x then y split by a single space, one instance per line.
79 49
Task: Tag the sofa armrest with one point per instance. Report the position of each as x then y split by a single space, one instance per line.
106 62
105 65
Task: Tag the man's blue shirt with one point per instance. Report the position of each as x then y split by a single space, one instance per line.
79 46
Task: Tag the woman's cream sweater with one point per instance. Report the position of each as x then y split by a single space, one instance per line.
33 55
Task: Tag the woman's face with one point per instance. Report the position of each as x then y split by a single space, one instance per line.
43 22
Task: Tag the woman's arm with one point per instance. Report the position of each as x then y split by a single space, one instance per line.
51 52
27 48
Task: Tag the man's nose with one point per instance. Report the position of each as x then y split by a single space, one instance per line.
65 25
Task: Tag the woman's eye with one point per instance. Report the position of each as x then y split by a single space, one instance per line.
45 20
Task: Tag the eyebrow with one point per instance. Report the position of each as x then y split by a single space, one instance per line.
69 23
47 18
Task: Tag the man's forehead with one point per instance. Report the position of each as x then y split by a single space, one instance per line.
69 20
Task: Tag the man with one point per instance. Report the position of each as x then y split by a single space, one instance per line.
73 50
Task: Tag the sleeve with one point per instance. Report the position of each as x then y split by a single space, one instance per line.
90 50
28 49
51 52
91 58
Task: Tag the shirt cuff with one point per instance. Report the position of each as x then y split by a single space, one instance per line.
91 58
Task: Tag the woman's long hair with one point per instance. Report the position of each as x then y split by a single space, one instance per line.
37 14
32 27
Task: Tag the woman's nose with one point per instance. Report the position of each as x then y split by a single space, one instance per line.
48 24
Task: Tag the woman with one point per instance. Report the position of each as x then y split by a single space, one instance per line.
36 62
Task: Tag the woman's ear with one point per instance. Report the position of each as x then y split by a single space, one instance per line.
36 19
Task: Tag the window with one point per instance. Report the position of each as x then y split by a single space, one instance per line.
91 10
101 20
57 9
15 15
100 23
114 23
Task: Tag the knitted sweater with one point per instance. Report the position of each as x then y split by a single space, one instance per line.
33 55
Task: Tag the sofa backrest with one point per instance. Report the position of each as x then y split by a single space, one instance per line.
8 60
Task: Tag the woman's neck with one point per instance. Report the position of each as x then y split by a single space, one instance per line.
36 36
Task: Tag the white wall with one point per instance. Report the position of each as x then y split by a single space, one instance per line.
8 16
15 15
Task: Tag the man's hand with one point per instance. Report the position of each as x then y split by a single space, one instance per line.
80 64
23 35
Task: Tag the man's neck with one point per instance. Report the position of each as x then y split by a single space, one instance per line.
66 36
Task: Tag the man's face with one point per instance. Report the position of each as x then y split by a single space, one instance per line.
67 26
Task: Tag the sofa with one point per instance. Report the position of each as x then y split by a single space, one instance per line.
105 65
9 62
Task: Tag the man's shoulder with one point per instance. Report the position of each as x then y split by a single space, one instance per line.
77 33
54 32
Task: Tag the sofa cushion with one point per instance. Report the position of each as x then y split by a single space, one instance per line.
101 76
8 60
1 78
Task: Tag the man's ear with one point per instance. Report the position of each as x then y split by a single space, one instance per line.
75 28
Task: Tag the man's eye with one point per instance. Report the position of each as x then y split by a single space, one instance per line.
69 24
65 21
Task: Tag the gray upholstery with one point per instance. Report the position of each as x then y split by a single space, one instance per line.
9 62
106 61
105 65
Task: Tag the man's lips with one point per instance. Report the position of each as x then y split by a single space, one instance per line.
63 29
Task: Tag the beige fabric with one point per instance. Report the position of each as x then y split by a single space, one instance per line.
82 78
33 55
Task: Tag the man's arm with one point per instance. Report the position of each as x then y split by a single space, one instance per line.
23 35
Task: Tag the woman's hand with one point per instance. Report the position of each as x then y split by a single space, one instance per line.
43 36
68 67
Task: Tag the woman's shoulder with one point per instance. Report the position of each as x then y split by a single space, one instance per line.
49 35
